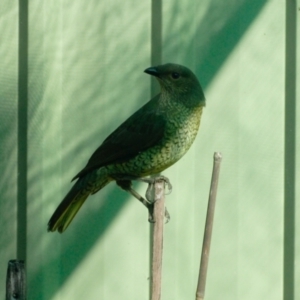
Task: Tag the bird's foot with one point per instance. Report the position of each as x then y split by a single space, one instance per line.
151 182
125 184
150 193
151 217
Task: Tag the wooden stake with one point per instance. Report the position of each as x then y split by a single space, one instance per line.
157 239
208 227
15 280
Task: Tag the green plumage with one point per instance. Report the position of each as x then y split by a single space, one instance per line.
148 142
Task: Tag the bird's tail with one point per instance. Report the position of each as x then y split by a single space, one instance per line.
70 205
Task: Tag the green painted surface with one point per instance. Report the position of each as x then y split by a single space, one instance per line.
86 62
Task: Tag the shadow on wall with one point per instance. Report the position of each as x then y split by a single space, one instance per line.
223 40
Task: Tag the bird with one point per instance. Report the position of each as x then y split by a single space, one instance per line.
152 139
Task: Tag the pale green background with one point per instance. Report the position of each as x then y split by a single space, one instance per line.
86 62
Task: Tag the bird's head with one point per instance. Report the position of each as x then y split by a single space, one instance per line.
179 82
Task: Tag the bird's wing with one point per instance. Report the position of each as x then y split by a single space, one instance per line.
142 130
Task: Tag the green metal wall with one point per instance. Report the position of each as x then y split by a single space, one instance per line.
74 72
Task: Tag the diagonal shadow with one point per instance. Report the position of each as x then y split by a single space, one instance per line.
224 41
88 230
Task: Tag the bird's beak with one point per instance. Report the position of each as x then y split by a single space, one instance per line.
152 71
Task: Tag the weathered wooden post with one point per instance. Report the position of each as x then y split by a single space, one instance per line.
208 227
157 238
16 280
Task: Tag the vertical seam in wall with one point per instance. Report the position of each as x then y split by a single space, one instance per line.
22 130
289 151
156 40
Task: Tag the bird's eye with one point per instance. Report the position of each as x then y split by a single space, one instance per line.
175 75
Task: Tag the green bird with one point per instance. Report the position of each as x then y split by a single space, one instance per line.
151 140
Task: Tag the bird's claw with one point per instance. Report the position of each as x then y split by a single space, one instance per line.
150 211
125 184
167 216
149 195
151 182
151 217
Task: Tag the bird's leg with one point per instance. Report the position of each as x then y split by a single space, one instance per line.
149 192
126 185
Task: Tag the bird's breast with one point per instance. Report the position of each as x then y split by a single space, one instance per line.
180 132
